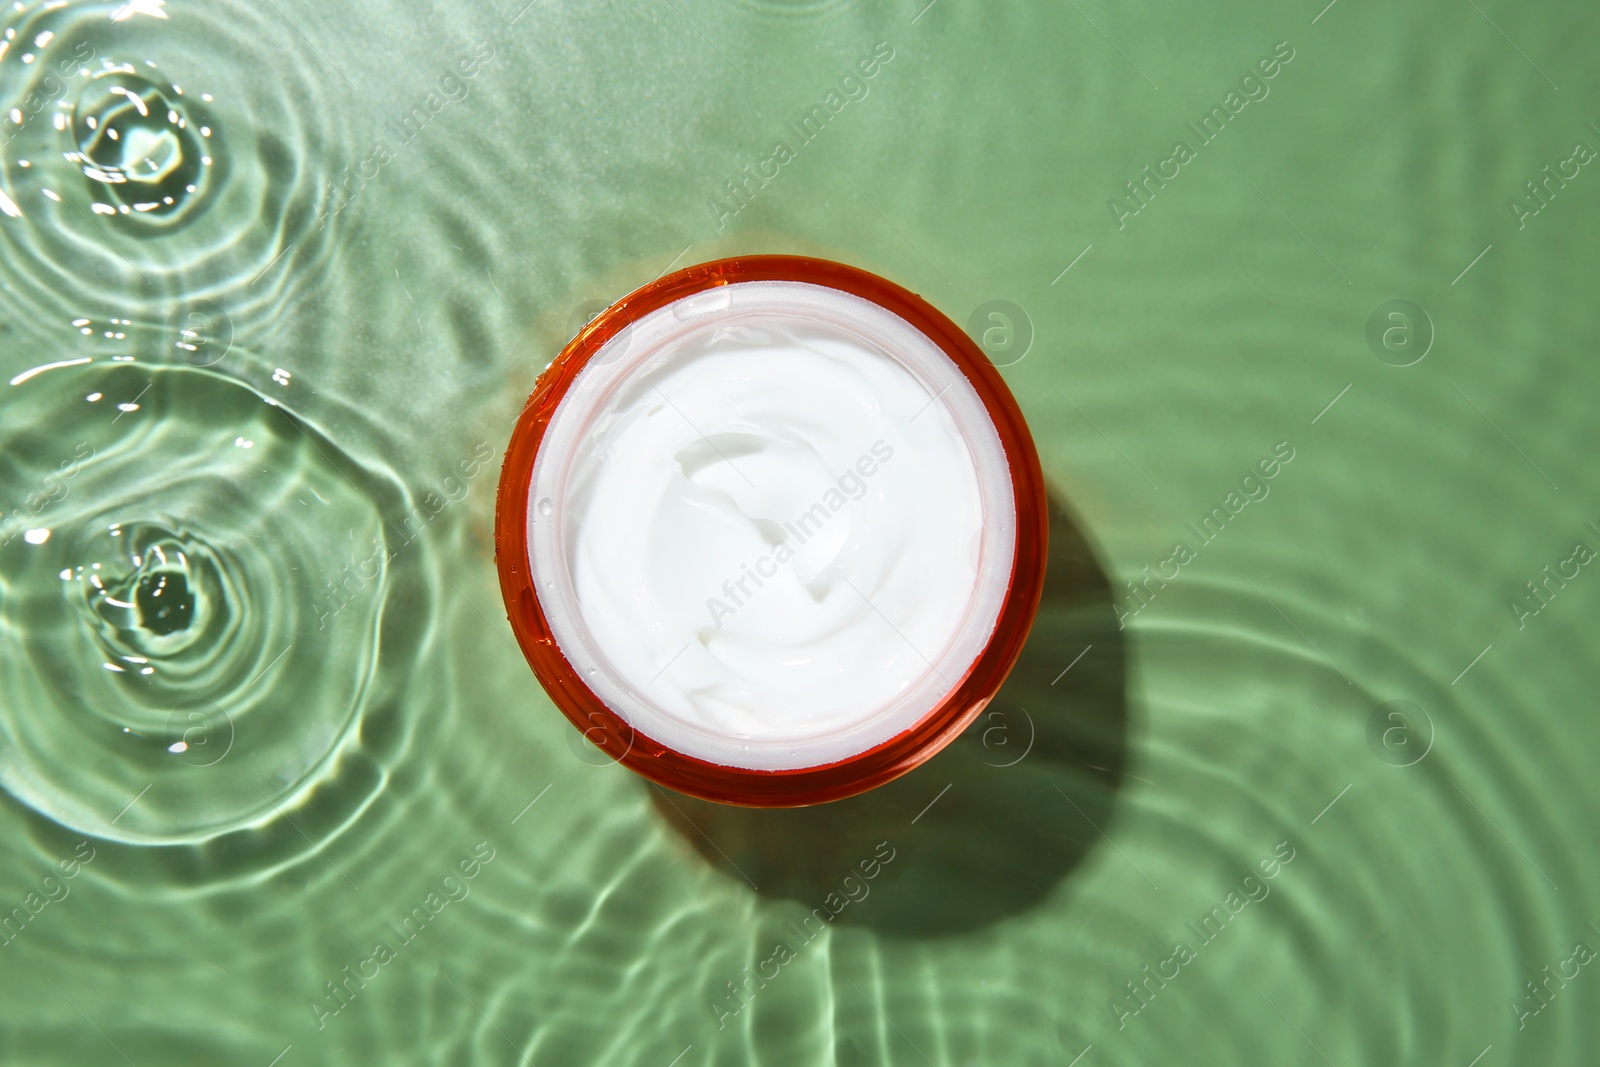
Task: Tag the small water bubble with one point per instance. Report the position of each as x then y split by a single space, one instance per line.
546 506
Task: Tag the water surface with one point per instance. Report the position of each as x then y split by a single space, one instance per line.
1300 766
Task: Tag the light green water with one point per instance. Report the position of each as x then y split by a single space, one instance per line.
265 469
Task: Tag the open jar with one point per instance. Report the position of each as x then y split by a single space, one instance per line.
771 531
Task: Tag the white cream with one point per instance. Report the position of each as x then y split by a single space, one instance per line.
772 525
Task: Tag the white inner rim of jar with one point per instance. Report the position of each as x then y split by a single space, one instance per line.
645 348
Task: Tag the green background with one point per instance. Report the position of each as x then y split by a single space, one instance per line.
1245 705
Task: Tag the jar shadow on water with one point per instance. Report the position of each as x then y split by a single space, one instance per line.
988 827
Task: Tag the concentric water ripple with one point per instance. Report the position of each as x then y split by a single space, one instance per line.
192 588
1299 762
140 180
145 143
